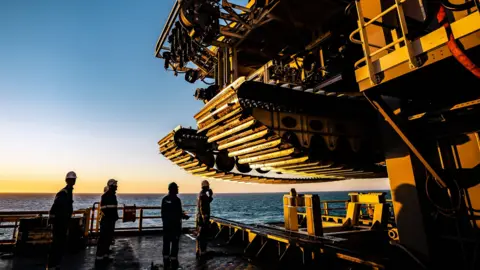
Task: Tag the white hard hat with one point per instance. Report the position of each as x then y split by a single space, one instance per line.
205 183
71 175
112 182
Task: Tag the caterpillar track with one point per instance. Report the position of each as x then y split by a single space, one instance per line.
265 127
190 151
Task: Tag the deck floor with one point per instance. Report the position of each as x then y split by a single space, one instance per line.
137 252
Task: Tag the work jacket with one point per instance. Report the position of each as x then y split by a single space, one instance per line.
203 208
172 213
62 208
109 206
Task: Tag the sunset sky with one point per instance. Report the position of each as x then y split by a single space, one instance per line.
81 90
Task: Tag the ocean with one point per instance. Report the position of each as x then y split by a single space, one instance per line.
246 208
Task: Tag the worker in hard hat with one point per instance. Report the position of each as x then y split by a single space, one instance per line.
109 215
172 215
205 197
59 218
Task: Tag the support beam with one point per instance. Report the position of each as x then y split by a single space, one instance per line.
400 128
407 179
314 215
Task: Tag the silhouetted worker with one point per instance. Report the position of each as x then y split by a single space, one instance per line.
172 215
59 218
109 212
203 218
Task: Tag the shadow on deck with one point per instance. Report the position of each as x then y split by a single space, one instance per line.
136 252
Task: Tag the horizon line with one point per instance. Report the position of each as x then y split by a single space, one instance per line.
188 193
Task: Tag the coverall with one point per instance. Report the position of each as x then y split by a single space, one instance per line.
108 206
59 216
203 221
172 214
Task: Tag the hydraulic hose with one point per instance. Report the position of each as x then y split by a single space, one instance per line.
456 51
457 7
422 265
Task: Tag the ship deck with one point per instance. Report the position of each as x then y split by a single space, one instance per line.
135 252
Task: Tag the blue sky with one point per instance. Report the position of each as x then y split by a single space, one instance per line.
80 89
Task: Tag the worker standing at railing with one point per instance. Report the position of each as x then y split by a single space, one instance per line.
59 218
172 215
203 218
109 212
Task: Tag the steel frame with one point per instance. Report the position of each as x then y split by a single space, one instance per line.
396 63
260 240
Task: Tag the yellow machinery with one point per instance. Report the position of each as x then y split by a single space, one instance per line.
318 90
313 213
375 200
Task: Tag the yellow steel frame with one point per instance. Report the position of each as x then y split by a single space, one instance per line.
256 241
404 59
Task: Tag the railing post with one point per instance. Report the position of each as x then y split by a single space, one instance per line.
325 208
86 215
97 219
365 44
140 220
92 219
15 230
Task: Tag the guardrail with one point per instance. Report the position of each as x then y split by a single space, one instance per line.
140 216
13 218
92 218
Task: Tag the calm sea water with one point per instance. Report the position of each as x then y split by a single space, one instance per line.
246 208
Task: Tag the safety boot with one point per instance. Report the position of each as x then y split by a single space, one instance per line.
166 262
174 263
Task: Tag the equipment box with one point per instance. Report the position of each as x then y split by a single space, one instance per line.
36 232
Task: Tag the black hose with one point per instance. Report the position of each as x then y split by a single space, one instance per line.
409 253
457 7
349 7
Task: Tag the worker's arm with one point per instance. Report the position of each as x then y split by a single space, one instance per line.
109 207
183 214
210 195
162 209
57 211
204 206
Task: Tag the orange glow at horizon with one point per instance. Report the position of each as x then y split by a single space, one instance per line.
192 185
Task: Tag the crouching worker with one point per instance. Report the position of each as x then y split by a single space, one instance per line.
109 215
172 215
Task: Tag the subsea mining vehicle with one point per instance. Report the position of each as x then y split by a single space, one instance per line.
312 91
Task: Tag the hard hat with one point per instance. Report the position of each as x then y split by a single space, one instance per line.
71 175
205 183
172 186
112 182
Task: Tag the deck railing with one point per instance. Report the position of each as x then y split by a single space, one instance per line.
12 220
9 220
142 213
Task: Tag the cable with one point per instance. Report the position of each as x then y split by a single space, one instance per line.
207 83
456 51
409 253
448 212
475 250
348 8
457 7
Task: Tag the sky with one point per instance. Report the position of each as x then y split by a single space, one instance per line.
80 89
